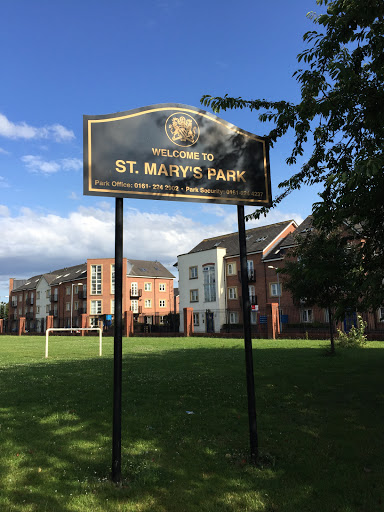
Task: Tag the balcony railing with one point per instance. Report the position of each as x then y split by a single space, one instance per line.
251 276
54 298
136 293
82 311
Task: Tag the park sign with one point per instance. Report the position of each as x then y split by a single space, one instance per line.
174 152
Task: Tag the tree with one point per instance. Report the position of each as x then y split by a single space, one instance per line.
324 270
4 310
341 112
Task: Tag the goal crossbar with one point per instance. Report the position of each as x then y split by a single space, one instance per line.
73 329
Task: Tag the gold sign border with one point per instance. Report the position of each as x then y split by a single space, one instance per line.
148 194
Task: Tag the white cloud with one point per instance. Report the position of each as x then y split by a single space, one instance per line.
22 130
35 242
4 211
4 152
36 164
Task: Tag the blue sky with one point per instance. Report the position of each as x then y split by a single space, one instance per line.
63 59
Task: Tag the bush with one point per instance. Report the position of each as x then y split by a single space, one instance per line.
355 337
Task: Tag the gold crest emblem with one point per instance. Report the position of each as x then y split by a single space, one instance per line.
182 129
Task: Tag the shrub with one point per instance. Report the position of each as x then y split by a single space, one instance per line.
355 337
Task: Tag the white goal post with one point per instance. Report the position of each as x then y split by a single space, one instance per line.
72 329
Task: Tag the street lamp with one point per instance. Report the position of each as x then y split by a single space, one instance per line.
279 293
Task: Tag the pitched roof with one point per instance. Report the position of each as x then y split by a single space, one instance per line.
257 239
290 240
144 268
55 277
68 274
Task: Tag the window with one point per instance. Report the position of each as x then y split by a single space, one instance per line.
192 272
67 290
250 270
95 279
209 283
233 317
162 319
381 314
94 322
95 307
194 295
232 292
147 287
148 303
162 287
306 315
231 269
275 290
76 289
37 310
20 298
196 319
112 306
47 294
134 290
251 291
162 303
76 305
253 317
67 306
135 306
37 295
113 279
47 308
20 311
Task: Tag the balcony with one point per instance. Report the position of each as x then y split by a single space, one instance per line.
54 298
251 276
29 301
137 311
82 294
81 311
135 294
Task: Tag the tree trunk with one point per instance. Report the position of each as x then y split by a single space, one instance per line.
331 330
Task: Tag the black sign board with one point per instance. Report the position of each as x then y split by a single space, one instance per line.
174 152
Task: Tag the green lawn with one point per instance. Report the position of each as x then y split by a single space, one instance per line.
320 423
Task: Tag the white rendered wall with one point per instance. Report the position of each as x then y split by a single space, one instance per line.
218 307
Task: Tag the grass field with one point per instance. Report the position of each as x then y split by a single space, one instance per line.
320 422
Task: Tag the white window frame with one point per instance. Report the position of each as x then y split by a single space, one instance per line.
134 289
275 289
196 319
233 317
162 287
194 295
96 307
67 290
148 303
231 268
112 279
307 315
162 303
193 272
147 287
67 306
134 306
209 273
232 292
96 279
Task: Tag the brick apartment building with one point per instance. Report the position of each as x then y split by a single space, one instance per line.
88 289
210 283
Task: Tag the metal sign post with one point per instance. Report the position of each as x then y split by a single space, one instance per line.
247 337
117 361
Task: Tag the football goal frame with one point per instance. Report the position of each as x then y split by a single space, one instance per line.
51 329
